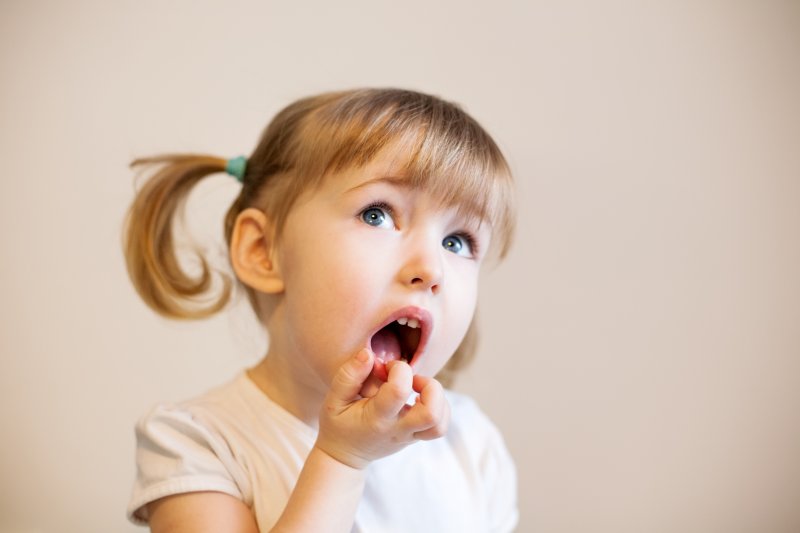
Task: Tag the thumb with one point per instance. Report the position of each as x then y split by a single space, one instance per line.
350 378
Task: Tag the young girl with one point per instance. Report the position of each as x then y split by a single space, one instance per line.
358 236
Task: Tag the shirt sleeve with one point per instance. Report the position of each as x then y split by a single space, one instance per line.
176 453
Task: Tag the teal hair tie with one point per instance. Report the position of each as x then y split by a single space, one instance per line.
236 167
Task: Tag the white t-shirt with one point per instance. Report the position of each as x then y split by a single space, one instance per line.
234 439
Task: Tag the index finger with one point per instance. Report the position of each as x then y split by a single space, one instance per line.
392 395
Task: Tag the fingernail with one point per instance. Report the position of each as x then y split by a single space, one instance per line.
362 356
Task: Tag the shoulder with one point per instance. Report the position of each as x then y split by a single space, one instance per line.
215 422
224 402
179 448
473 432
232 439
164 420
478 440
467 415
461 401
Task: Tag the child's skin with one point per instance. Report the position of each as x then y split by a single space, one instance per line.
339 270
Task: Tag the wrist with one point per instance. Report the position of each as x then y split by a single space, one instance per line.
339 458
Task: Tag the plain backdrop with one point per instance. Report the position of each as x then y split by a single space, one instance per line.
641 344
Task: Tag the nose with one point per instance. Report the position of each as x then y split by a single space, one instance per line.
422 266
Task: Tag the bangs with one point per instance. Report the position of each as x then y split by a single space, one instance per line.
439 148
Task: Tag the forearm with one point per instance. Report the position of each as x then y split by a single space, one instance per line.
353 431
325 497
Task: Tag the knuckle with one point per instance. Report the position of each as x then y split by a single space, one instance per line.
427 418
342 376
436 431
376 426
439 431
396 391
434 385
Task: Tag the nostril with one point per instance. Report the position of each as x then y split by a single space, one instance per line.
434 286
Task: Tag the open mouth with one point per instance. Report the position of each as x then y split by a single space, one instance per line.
403 337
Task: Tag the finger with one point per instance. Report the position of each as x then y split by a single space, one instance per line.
392 395
371 386
430 390
421 381
350 378
437 430
430 407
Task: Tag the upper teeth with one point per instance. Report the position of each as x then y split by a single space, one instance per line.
410 322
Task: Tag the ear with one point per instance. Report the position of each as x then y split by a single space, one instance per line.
253 251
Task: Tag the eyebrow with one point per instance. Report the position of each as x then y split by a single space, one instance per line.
399 181
396 181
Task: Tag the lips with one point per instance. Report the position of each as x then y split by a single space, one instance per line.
397 338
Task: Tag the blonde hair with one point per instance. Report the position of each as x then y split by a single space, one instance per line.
447 153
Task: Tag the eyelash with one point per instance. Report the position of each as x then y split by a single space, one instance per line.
379 205
471 240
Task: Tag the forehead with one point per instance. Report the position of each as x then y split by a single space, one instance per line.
397 167
468 173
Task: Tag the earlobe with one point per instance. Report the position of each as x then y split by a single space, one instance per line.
253 252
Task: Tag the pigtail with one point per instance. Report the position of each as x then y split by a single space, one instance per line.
149 245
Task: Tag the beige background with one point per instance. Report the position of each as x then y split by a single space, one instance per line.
641 347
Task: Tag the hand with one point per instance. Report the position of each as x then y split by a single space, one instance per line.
356 430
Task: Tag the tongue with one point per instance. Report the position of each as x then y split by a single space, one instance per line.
386 345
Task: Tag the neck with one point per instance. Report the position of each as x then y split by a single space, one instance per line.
278 381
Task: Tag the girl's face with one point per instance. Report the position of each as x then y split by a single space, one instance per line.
362 251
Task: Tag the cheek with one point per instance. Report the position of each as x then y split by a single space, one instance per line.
460 309
327 288
463 314
465 289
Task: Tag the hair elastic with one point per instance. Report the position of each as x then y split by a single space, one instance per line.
236 167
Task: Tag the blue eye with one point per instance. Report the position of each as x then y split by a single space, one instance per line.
373 216
378 216
457 244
